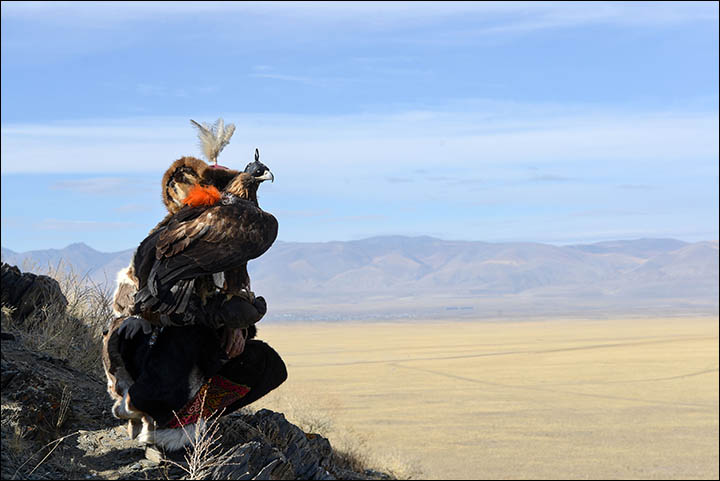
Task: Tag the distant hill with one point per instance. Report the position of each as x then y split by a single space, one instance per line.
101 267
395 276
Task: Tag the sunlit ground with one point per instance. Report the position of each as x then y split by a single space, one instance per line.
626 398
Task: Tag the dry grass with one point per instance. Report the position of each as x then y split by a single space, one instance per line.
626 398
52 445
64 407
204 454
315 411
17 445
75 333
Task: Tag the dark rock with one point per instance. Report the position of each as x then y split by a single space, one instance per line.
28 292
289 452
61 417
307 458
263 445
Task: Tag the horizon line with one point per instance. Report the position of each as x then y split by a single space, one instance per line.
81 243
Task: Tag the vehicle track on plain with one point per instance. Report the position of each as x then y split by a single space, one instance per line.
557 391
504 353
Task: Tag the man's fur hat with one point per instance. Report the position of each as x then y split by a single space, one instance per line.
186 173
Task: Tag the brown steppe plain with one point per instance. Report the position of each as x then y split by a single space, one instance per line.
619 398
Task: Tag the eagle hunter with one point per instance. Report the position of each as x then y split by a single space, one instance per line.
214 233
206 346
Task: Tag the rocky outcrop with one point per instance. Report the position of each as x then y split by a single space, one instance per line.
267 444
44 400
56 420
28 292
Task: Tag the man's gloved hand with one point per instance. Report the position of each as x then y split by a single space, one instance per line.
133 325
260 305
237 312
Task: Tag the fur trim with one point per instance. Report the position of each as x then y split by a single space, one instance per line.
124 296
177 181
187 172
137 427
118 379
124 409
174 439
195 381
134 428
200 195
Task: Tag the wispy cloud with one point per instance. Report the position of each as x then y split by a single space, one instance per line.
550 178
130 208
636 187
513 135
512 167
82 225
162 91
101 185
527 17
380 14
398 180
289 78
608 213
301 214
79 28
315 81
357 218
266 71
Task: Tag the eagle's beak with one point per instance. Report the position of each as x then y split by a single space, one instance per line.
267 175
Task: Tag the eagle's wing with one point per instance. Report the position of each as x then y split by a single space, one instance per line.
219 239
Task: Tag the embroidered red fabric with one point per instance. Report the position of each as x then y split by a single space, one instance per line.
218 393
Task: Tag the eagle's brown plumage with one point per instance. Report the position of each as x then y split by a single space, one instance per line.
201 241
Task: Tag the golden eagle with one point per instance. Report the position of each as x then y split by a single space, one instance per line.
215 232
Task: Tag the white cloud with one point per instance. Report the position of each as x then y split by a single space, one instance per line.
82 225
70 29
102 185
290 78
499 16
488 142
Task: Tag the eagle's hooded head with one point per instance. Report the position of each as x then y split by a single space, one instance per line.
245 184
258 170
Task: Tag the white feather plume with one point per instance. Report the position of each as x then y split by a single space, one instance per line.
214 138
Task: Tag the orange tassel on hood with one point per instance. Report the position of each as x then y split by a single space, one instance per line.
200 195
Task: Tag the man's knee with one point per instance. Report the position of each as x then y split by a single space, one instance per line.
259 367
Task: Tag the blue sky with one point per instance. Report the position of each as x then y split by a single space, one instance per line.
547 122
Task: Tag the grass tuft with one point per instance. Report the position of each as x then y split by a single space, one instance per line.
73 333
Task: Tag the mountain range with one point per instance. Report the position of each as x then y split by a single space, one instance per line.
394 277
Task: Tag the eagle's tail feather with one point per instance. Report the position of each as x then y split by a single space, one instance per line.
182 292
173 301
164 275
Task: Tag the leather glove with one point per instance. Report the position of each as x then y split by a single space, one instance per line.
238 312
260 305
133 325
